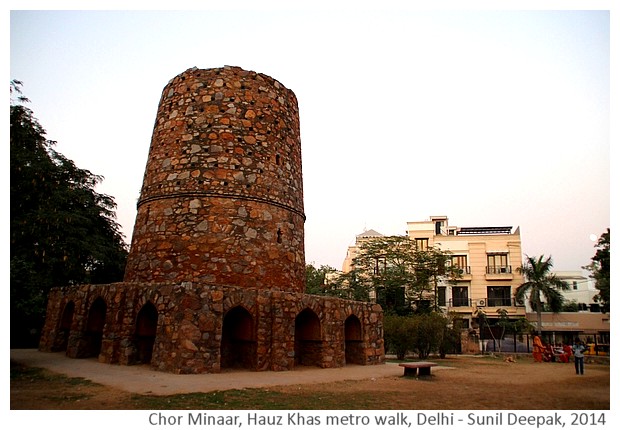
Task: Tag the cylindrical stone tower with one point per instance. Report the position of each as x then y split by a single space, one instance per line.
222 199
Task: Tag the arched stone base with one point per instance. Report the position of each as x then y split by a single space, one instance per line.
191 328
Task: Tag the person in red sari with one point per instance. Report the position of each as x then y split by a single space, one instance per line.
566 353
539 349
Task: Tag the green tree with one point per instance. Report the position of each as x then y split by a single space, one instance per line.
431 329
451 340
600 269
348 286
62 231
431 267
399 273
316 282
399 334
421 334
541 283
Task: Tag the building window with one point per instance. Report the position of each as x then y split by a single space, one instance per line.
441 296
460 296
498 296
460 261
380 265
421 243
574 285
498 263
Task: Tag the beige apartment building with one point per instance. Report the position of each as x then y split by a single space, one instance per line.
488 258
353 250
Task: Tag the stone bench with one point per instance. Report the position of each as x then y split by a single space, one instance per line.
411 369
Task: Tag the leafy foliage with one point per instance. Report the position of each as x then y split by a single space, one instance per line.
421 334
316 282
404 278
497 328
398 334
600 268
541 283
62 231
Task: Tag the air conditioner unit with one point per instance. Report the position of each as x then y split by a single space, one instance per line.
482 303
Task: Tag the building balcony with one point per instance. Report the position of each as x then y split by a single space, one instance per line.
484 302
460 303
499 273
464 272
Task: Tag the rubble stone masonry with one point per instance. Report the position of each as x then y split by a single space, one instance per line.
216 271
222 198
190 325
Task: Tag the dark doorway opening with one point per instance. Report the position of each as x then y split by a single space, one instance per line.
146 330
308 344
93 334
238 348
66 319
353 341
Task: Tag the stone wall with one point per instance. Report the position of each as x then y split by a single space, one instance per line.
191 333
222 197
216 272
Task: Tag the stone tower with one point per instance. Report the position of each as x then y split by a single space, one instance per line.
222 199
216 273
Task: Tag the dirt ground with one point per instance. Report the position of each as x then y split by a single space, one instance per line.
458 383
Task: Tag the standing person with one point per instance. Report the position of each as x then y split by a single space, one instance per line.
539 348
578 350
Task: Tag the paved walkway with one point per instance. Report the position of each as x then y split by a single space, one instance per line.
143 380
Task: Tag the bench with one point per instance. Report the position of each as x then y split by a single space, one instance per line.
411 369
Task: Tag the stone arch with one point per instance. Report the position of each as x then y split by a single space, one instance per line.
145 332
353 341
238 346
308 341
64 326
93 333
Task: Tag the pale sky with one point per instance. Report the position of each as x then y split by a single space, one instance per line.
493 118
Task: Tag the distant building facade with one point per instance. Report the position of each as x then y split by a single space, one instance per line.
353 250
488 258
581 290
592 328
582 318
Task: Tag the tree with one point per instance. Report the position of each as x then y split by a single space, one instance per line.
600 269
399 273
422 334
316 282
399 333
541 283
348 286
431 329
431 268
62 231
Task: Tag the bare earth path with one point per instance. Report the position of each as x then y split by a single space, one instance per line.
459 383
143 380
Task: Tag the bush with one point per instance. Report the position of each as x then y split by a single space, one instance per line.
421 334
397 335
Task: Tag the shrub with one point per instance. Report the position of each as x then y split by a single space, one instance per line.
421 334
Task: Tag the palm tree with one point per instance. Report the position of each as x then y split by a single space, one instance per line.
541 282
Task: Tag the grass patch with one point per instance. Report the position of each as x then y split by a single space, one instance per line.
20 373
259 399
